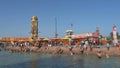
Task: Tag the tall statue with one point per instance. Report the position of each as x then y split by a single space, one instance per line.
115 40
34 28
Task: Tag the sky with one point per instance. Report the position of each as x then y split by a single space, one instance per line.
85 15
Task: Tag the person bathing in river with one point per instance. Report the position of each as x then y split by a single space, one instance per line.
70 48
107 55
108 46
99 54
84 47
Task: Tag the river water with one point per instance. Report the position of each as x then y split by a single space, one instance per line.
36 60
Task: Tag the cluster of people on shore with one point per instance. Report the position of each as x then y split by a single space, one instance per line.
84 48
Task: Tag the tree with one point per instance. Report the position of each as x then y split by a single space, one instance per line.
119 37
110 37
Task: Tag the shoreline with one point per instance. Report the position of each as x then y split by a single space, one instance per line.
65 50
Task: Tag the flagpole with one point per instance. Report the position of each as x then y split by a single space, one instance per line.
56 34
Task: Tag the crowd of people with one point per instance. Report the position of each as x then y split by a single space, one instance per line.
84 46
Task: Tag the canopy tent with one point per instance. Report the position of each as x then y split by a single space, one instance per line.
46 39
65 41
78 37
55 39
65 38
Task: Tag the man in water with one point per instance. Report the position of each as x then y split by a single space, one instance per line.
108 46
99 54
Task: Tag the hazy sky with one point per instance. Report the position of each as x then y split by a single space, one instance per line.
85 15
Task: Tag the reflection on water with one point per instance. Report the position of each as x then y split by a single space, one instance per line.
35 60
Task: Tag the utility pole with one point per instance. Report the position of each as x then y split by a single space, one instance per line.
56 34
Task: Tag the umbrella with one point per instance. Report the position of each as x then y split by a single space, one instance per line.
65 38
46 39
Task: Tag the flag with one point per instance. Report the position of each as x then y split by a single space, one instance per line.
71 25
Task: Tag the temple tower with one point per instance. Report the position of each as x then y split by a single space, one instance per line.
97 32
97 29
34 29
115 40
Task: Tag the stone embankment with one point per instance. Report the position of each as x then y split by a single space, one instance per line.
65 50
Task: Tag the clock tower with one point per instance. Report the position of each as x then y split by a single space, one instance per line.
34 29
